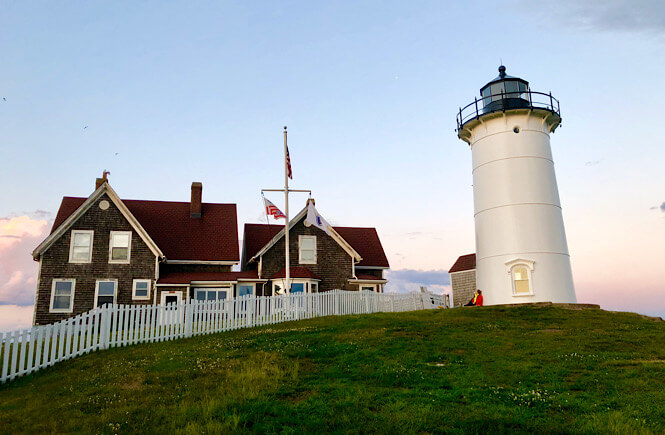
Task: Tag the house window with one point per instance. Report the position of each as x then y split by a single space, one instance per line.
370 288
521 281
105 292
307 249
298 285
141 289
245 290
120 246
62 296
80 249
211 294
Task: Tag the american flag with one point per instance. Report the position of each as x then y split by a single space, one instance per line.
288 163
272 210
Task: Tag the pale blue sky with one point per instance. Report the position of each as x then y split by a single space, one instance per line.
186 91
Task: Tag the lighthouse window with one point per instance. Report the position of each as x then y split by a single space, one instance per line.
497 90
511 90
521 281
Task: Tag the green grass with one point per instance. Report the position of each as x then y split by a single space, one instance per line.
523 369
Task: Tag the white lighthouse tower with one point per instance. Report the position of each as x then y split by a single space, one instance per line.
521 250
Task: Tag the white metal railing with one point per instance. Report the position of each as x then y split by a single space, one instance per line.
28 350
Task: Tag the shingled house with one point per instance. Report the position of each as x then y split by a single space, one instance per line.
349 258
103 249
463 279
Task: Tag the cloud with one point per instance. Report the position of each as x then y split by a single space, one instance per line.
639 16
14 317
19 235
409 280
658 207
41 214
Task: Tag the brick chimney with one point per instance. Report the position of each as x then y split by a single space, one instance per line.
100 181
195 204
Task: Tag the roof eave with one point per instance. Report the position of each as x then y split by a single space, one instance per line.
334 234
64 226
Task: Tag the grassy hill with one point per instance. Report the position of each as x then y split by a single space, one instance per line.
463 370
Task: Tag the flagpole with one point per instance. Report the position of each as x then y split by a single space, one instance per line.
286 227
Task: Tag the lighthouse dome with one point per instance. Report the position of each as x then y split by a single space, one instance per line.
505 92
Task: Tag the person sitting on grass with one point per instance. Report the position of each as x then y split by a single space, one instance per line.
479 298
472 302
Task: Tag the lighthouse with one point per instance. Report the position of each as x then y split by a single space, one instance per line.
521 249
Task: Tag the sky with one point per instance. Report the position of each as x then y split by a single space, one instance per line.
165 93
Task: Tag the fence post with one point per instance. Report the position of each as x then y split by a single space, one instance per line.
189 318
104 329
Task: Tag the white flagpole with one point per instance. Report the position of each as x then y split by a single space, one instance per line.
286 227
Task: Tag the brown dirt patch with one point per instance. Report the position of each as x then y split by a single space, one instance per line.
134 383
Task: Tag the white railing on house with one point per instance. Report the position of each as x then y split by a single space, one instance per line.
28 350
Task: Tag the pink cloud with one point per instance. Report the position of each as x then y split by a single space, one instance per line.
19 236
13 317
640 298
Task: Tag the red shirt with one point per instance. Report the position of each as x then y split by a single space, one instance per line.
479 301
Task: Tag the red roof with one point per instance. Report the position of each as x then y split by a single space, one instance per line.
256 237
187 277
296 272
465 262
212 237
364 240
366 277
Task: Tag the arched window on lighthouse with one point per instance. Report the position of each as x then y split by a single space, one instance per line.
521 276
521 284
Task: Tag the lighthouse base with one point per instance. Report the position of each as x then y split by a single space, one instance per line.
525 278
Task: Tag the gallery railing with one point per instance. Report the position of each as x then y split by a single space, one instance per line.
507 101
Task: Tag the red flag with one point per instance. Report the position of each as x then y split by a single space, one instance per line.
272 210
288 164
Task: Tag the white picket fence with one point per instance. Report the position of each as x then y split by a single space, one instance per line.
28 350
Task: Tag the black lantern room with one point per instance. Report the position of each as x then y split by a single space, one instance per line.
505 92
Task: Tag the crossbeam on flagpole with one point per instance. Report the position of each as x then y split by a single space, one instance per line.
282 190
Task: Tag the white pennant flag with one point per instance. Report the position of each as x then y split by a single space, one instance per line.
314 218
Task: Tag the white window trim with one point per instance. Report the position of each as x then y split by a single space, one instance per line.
141 298
176 293
246 283
300 260
282 283
227 289
374 289
115 291
129 248
71 298
71 246
529 265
